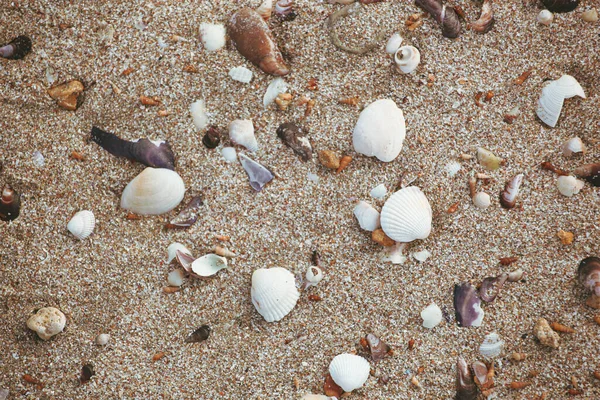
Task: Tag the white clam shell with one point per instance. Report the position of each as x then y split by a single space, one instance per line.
573 146
545 17
199 116
349 371
569 185
275 88
172 251
241 74
154 191
82 224
553 95
393 44
407 58
208 265
482 200
407 215
380 130
102 339
313 276
229 154
492 346
421 256
213 36
432 316
379 191
367 216
274 292
241 131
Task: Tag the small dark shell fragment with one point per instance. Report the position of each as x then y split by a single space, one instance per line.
212 137
199 335
188 216
258 175
560 6
86 373
445 16
589 172
295 138
18 48
10 204
467 305
589 274
465 385
378 349
490 287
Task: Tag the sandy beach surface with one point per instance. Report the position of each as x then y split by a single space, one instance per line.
113 281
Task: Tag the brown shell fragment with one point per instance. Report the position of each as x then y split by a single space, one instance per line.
508 260
445 16
491 286
465 385
329 159
67 94
295 138
350 101
199 335
380 237
486 21
188 216
377 347
212 137
589 172
149 101
561 328
545 334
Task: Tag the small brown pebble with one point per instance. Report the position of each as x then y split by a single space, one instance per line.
478 97
565 237
518 356
350 101
127 71
561 328
488 96
517 385
190 69
64 26
420 370
149 101
170 289
67 94
133 217
597 319
597 374
343 163
162 113
77 156
508 260
314 297
453 208
380 237
522 77
30 379
313 84
411 344
328 159
331 388
158 356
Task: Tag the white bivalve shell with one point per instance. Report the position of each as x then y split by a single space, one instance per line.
241 131
407 58
349 371
407 215
432 316
482 200
47 322
82 224
208 265
213 36
569 185
313 276
553 95
172 251
573 146
154 191
393 44
379 191
274 292
380 130
545 17
241 74
492 346
367 216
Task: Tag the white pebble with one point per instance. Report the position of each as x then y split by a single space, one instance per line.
102 339
38 159
313 177
432 316
379 192
175 278
229 154
421 256
545 17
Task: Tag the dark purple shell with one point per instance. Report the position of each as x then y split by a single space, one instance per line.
18 48
445 16
491 286
295 138
560 6
199 335
467 305
188 216
465 385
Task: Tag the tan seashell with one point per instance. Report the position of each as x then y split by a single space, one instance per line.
265 10
545 334
518 356
154 191
222 251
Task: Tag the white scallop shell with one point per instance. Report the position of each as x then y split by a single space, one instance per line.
569 185
393 44
199 116
241 131
349 371
379 191
313 276
274 292
208 265
380 130
573 146
275 88
492 346
553 95
82 224
482 200
432 316
407 59
154 191
172 251
407 215
367 216
241 74
545 17
213 36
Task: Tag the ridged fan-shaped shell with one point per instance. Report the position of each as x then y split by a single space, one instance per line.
274 292
492 346
553 95
407 215
241 74
154 191
349 371
82 224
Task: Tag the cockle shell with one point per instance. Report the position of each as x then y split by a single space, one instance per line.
367 216
432 316
241 74
545 17
407 58
492 346
569 185
349 371
213 36
393 44
82 224
380 130
407 215
274 292
553 95
154 191
241 131
172 251
573 146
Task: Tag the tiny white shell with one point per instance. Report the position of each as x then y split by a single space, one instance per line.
432 316
208 265
407 59
482 200
172 251
545 17
452 168
569 185
590 15
199 116
407 215
422 255
176 277
102 339
241 74
275 88
349 371
379 191
394 254
313 276
241 131
393 44
154 191
82 224
553 95
265 9
367 216
573 146
213 36
229 154
492 346
274 292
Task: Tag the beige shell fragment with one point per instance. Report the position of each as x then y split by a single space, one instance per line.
545 334
47 322
154 191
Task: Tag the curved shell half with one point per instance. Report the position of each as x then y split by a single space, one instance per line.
492 346
367 216
393 44
407 215
241 131
407 59
208 265
172 251
349 371
154 191
82 224
553 95
569 185
274 292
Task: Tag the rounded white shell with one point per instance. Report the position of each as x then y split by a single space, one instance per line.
380 130
349 371
573 146
407 215
393 44
229 154
379 191
313 276
492 346
82 224
241 74
482 200
432 316
241 131
274 292
199 116
213 36
102 339
569 185
367 216
553 95
172 251
545 17
208 265
407 59
154 191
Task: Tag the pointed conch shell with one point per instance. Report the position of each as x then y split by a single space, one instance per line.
380 130
223 252
241 131
274 292
349 371
154 191
367 216
407 59
407 215
265 9
553 95
82 224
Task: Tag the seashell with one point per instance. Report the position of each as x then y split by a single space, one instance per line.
229 154
275 88
82 224
172 251
284 9
295 138
199 335
258 175
10 204
492 346
102 339
573 146
349 371
313 276
432 316
553 95
510 116
590 15
380 130
407 59
518 356
491 286
407 215
17 48
561 6
265 9
488 160
465 385
241 131
241 74
379 191
452 168
569 185
545 17
561 328
480 374
508 196
67 95
486 20
545 334
188 216
199 116
212 137
175 278
274 292
394 254
252 37
515 276
154 191
157 154
467 305
588 273
212 35
589 172
378 236
367 216
223 252
445 16
344 162
47 322
207 265
393 44
482 200
378 348
421 256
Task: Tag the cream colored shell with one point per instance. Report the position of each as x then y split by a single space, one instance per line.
274 292
553 95
349 371
82 224
47 322
154 191
241 131
367 216
407 58
407 215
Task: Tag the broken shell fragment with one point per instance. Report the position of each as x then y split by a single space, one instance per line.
589 172
588 273
17 48
199 116
486 20
241 74
207 265
515 276
275 88
407 59
313 276
188 216
445 16
154 191
573 146
480 374
482 200
545 17
492 346
175 278
561 6
432 316
465 385
47 322
284 9
490 287
349 371
367 216
295 138
10 204
67 94
82 224
213 36
378 348
553 96
467 305
488 160
393 44
212 137
569 185
379 191
102 339
241 131
258 175
407 215
545 334
274 292
229 154
172 251
590 15
508 196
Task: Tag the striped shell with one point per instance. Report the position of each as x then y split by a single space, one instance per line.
553 96
407 215
82 224
241 74
274 292
349 371
154 191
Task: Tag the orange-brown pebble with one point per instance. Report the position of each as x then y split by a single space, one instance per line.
344 163
488 96
411 344
597 319
77 156
67 94
522 77
414 21
518 385
170 289
30 379
508 260
149 101
452 209
158 356
223 238
561 328
380 237
314 297
328 159
565 237
518 356
133 217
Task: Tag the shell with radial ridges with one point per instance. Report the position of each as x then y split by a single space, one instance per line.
274 292
407 215
82 224
553 96
349 371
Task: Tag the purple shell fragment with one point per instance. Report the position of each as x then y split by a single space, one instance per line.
259 175
490 287
467 305
18 48
188 216
378 348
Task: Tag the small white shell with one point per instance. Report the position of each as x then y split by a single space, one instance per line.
241 74
349 371
452 168
421 256
569 185
275 88
229 154
241 131
154 191
367 216
407 215
394 254
274 292
393 44
553 95
590 15
492 346
545 17
407 59
82 224
313 276
432 316
380 130
573 146
482 200
199 116
379 191
208 265
176 277
172 251
102 339
213 36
